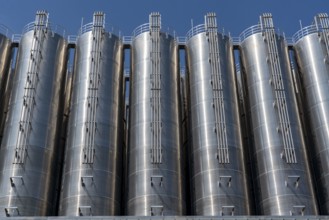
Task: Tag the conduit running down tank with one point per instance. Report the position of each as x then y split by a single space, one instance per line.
29 149
311 46
282 177
218 173
92 171
5 53
155 170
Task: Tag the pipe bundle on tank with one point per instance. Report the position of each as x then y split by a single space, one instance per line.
185 152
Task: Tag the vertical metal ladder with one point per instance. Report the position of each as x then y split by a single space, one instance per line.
31 84
217 87
278 86
322 24
155 79
93 86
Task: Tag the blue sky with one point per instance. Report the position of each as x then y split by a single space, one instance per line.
233 15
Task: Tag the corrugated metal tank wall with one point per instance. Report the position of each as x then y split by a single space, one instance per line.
29 149
92 170
156 177
282 176
311 46
218 171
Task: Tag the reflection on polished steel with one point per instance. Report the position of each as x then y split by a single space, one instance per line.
92 171
218 172
5 52
155 171
282 177
311 45
29 150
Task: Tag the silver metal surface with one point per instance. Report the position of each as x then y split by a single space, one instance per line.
311 49
92 168
218 173
282 177
29 150
156 177
5 53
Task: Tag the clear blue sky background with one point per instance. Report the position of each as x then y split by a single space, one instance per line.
233 15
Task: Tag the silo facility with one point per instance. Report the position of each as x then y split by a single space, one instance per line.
29 149
92 168
5 53
156 179
281 172
311 46
217 160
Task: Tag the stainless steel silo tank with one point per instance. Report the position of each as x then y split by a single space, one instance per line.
218 172
5 70
311 46
281 174
155 170
29 149
93 157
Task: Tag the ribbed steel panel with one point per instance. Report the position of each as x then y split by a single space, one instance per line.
313 61
156 177
93 159
219 185
29 149
282 176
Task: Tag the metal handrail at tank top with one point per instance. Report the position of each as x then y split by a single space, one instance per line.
89 27
146 27
53 28
5 30
195 30
306 31
250 31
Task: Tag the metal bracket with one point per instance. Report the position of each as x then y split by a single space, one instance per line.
157 177
81 208
294 178
12 178
299 209
228 183
8 210
153 207
228 209
86 177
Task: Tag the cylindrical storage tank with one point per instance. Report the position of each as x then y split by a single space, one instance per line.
311 46
218 172
29 150
5 53
281 174
155 166
92 168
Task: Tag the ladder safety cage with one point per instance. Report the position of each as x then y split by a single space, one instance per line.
217 87
322 24
155 80
269 34
93 86
30 88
